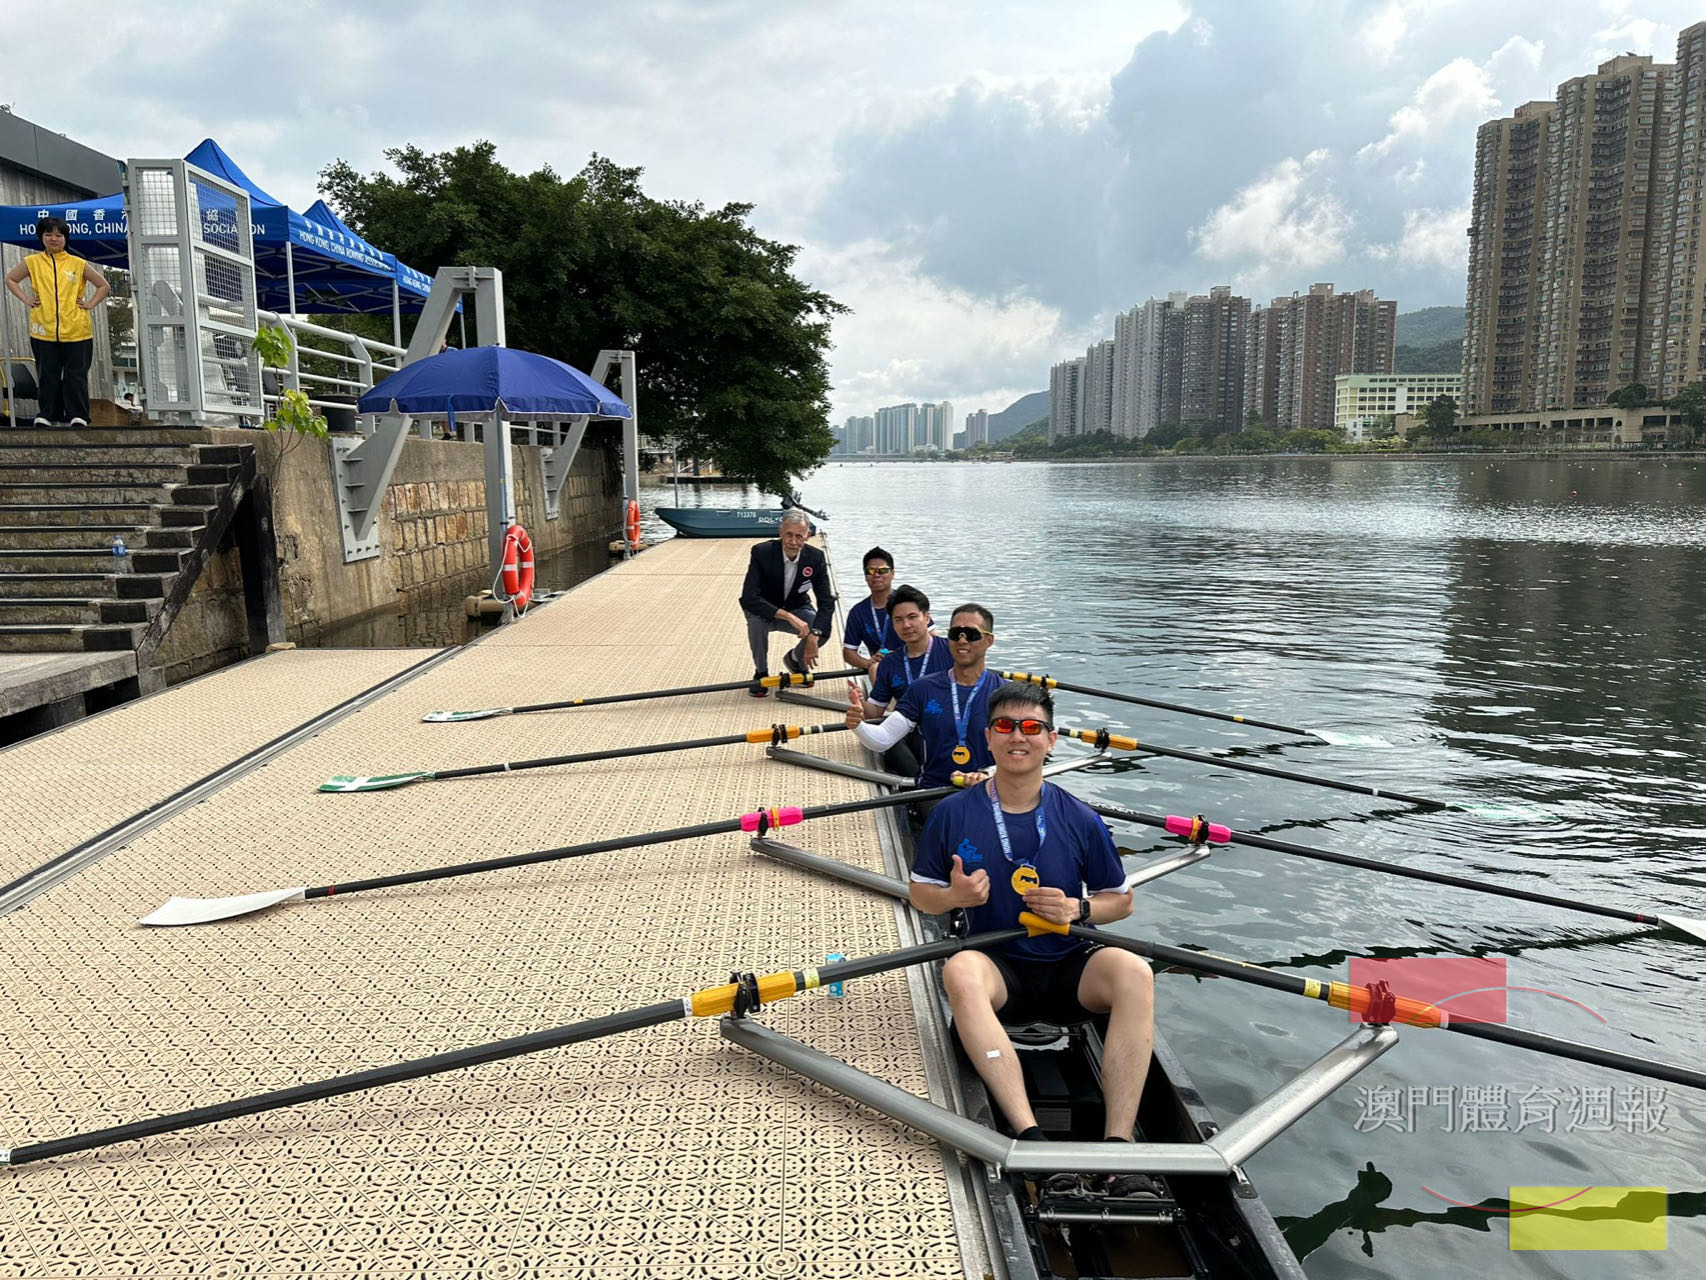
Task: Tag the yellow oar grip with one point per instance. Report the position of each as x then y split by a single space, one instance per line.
1114 739
1025 677
758 735
1407 1011
713 1002
1036 924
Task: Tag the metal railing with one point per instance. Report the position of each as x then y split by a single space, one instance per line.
361 363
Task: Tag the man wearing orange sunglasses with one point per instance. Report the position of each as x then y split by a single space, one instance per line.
1017 843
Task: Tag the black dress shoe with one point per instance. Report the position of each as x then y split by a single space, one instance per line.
755 689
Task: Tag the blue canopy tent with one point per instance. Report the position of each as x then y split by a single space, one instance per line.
297 258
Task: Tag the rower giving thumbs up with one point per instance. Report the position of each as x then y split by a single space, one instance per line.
855 706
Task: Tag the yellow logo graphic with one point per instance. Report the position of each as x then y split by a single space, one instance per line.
1575 1218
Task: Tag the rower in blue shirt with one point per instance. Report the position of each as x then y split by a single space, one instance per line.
1016 843
918 654
870 624
950 709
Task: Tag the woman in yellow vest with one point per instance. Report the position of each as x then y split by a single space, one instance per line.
62 332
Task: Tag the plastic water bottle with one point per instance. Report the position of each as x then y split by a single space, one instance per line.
121 554
834 957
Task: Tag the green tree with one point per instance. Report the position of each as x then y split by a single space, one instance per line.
1690 404
1167 435
731 345
1440 417
1632 396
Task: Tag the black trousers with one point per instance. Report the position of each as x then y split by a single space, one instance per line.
62 378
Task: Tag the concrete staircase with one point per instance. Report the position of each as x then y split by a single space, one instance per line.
64 495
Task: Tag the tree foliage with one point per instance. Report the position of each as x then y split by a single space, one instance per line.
731 346
1440 417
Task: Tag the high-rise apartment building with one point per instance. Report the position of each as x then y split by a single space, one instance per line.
1317 336
1211 360
977 428
1585 239
895 428
1261 365
1065 385
1142 375
1096 398
932 427
858 435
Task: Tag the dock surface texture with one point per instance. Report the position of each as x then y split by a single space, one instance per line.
659 1153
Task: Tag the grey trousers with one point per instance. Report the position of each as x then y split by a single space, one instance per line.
758 636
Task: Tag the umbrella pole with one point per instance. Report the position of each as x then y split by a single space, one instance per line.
290 277
396 315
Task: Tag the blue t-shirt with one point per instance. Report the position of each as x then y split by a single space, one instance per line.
1078 858
869 626
929 704
892 679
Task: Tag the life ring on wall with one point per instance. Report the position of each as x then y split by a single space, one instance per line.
517 572
633 524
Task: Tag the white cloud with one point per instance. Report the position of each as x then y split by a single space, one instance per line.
913 338
1287 217
1457 93
1435 238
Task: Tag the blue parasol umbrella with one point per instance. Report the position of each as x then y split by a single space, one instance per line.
481 380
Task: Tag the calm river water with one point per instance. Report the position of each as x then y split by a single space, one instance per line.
1513 634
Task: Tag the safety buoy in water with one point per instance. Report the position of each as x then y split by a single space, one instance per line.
517 575
633 524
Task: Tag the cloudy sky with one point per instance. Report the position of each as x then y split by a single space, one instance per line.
984 184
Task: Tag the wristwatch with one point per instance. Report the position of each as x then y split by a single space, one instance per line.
1083 911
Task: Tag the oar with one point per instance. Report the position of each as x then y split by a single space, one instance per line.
1049 682
1197 830
775 735
1375 1005
204 910
1101 739
769 682
744 994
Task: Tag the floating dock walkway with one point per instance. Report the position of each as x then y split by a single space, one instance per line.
662 1153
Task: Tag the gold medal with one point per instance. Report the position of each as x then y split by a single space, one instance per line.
1024 879
962 754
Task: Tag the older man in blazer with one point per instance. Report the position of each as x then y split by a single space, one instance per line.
782 580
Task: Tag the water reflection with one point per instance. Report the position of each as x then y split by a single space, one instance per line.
1519 634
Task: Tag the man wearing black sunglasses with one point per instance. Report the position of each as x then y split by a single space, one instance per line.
870 625
949 709
1016 843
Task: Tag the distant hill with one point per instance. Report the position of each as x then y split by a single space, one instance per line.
1021 413
1429 327
1037 430
1441 357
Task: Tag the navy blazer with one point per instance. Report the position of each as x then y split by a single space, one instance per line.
761 593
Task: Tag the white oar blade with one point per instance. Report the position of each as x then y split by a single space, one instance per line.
1350 739
1694 928
207 910
374 782
453 717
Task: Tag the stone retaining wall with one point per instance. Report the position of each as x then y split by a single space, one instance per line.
432 537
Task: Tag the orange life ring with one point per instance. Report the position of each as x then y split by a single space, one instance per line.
633 524
517 574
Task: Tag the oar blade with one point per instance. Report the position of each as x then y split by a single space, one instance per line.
1695 929
1349 739
206 910
345 782
456 717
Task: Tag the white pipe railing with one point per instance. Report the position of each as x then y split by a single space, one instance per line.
368 360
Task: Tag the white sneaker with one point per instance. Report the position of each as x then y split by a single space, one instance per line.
79 422
42 422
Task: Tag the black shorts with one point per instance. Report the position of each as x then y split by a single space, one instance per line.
1044 990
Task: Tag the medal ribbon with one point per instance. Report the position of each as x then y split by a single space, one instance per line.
962 720
1001 823
923 665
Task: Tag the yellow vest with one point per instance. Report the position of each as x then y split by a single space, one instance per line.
58 281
